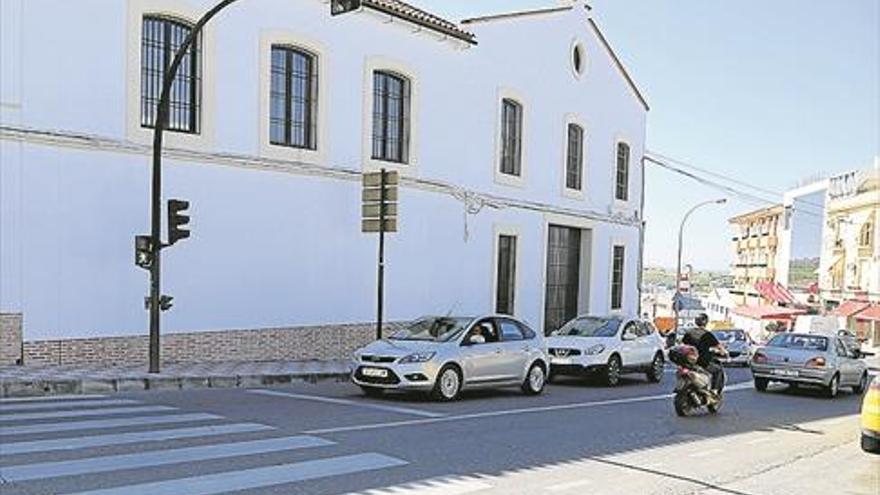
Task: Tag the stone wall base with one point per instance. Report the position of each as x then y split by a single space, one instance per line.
270 344
10 338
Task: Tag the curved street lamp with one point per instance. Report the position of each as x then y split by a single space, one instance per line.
720 201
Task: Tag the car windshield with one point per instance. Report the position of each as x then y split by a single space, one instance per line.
728 335
798 341
590 326
433 329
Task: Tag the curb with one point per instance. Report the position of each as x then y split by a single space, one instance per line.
39 388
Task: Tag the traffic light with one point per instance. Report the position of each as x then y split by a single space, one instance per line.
143 251
343 6
165 302
177 220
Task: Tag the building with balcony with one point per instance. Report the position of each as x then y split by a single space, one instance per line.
800 238
755 241
849 267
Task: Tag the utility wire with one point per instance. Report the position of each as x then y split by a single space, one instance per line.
732 180
745 196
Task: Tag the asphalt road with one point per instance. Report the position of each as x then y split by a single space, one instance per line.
329 439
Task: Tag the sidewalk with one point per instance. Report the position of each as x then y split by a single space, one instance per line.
24 381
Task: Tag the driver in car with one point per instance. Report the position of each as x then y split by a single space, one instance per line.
708 346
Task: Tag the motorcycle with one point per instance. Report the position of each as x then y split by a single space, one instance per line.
693 384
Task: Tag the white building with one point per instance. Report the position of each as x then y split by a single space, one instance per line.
526 120
800 239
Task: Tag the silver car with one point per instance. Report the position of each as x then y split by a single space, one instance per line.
445 354
809 359
738 345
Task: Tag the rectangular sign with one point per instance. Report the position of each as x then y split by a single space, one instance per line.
372 225
372 210
373 195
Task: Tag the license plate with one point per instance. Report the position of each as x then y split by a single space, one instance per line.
785 372
557 360
375 372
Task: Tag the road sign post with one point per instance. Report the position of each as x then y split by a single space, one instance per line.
379 215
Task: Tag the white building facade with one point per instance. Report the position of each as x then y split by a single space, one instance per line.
518 138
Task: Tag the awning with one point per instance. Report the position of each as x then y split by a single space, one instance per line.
775 292
870 314
849 308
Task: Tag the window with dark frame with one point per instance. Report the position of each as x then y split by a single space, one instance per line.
621 191
574 164
293 98
511 137
391 117
161 38
506 288
617 278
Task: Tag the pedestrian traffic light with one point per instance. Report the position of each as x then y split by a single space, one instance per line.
177 220
165 302
143 251
343 6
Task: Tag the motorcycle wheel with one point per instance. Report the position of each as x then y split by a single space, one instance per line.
682 404
715 407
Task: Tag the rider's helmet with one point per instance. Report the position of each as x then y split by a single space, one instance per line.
702 320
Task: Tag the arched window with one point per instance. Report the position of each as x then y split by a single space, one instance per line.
866 235
511 137
293 98
574 164
161 38
391 117
621 190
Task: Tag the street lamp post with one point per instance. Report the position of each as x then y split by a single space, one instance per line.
156 189
680 244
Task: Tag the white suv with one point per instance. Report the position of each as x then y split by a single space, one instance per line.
607 346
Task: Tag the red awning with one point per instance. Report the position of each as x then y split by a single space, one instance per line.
849 308
775 292
872 313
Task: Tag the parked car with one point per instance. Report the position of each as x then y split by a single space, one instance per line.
607 346
738 344
809 359
444 355
871 418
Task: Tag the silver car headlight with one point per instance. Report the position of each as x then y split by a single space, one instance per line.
593 350
418 357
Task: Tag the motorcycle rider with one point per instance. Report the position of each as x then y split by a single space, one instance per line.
708 346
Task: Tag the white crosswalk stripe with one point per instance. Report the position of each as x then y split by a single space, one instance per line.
33 406
230 481
95 424
50 398
87 412
44 464
75 443
91 465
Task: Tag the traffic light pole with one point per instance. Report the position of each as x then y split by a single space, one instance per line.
381 278
156 190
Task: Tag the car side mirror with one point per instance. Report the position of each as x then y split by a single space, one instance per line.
628 336
476 339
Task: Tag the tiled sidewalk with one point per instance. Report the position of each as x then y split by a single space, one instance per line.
22 381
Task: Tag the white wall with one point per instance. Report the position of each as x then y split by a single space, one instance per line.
283 247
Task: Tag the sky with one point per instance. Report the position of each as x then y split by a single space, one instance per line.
767 92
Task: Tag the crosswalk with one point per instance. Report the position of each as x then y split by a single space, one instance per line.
94 445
